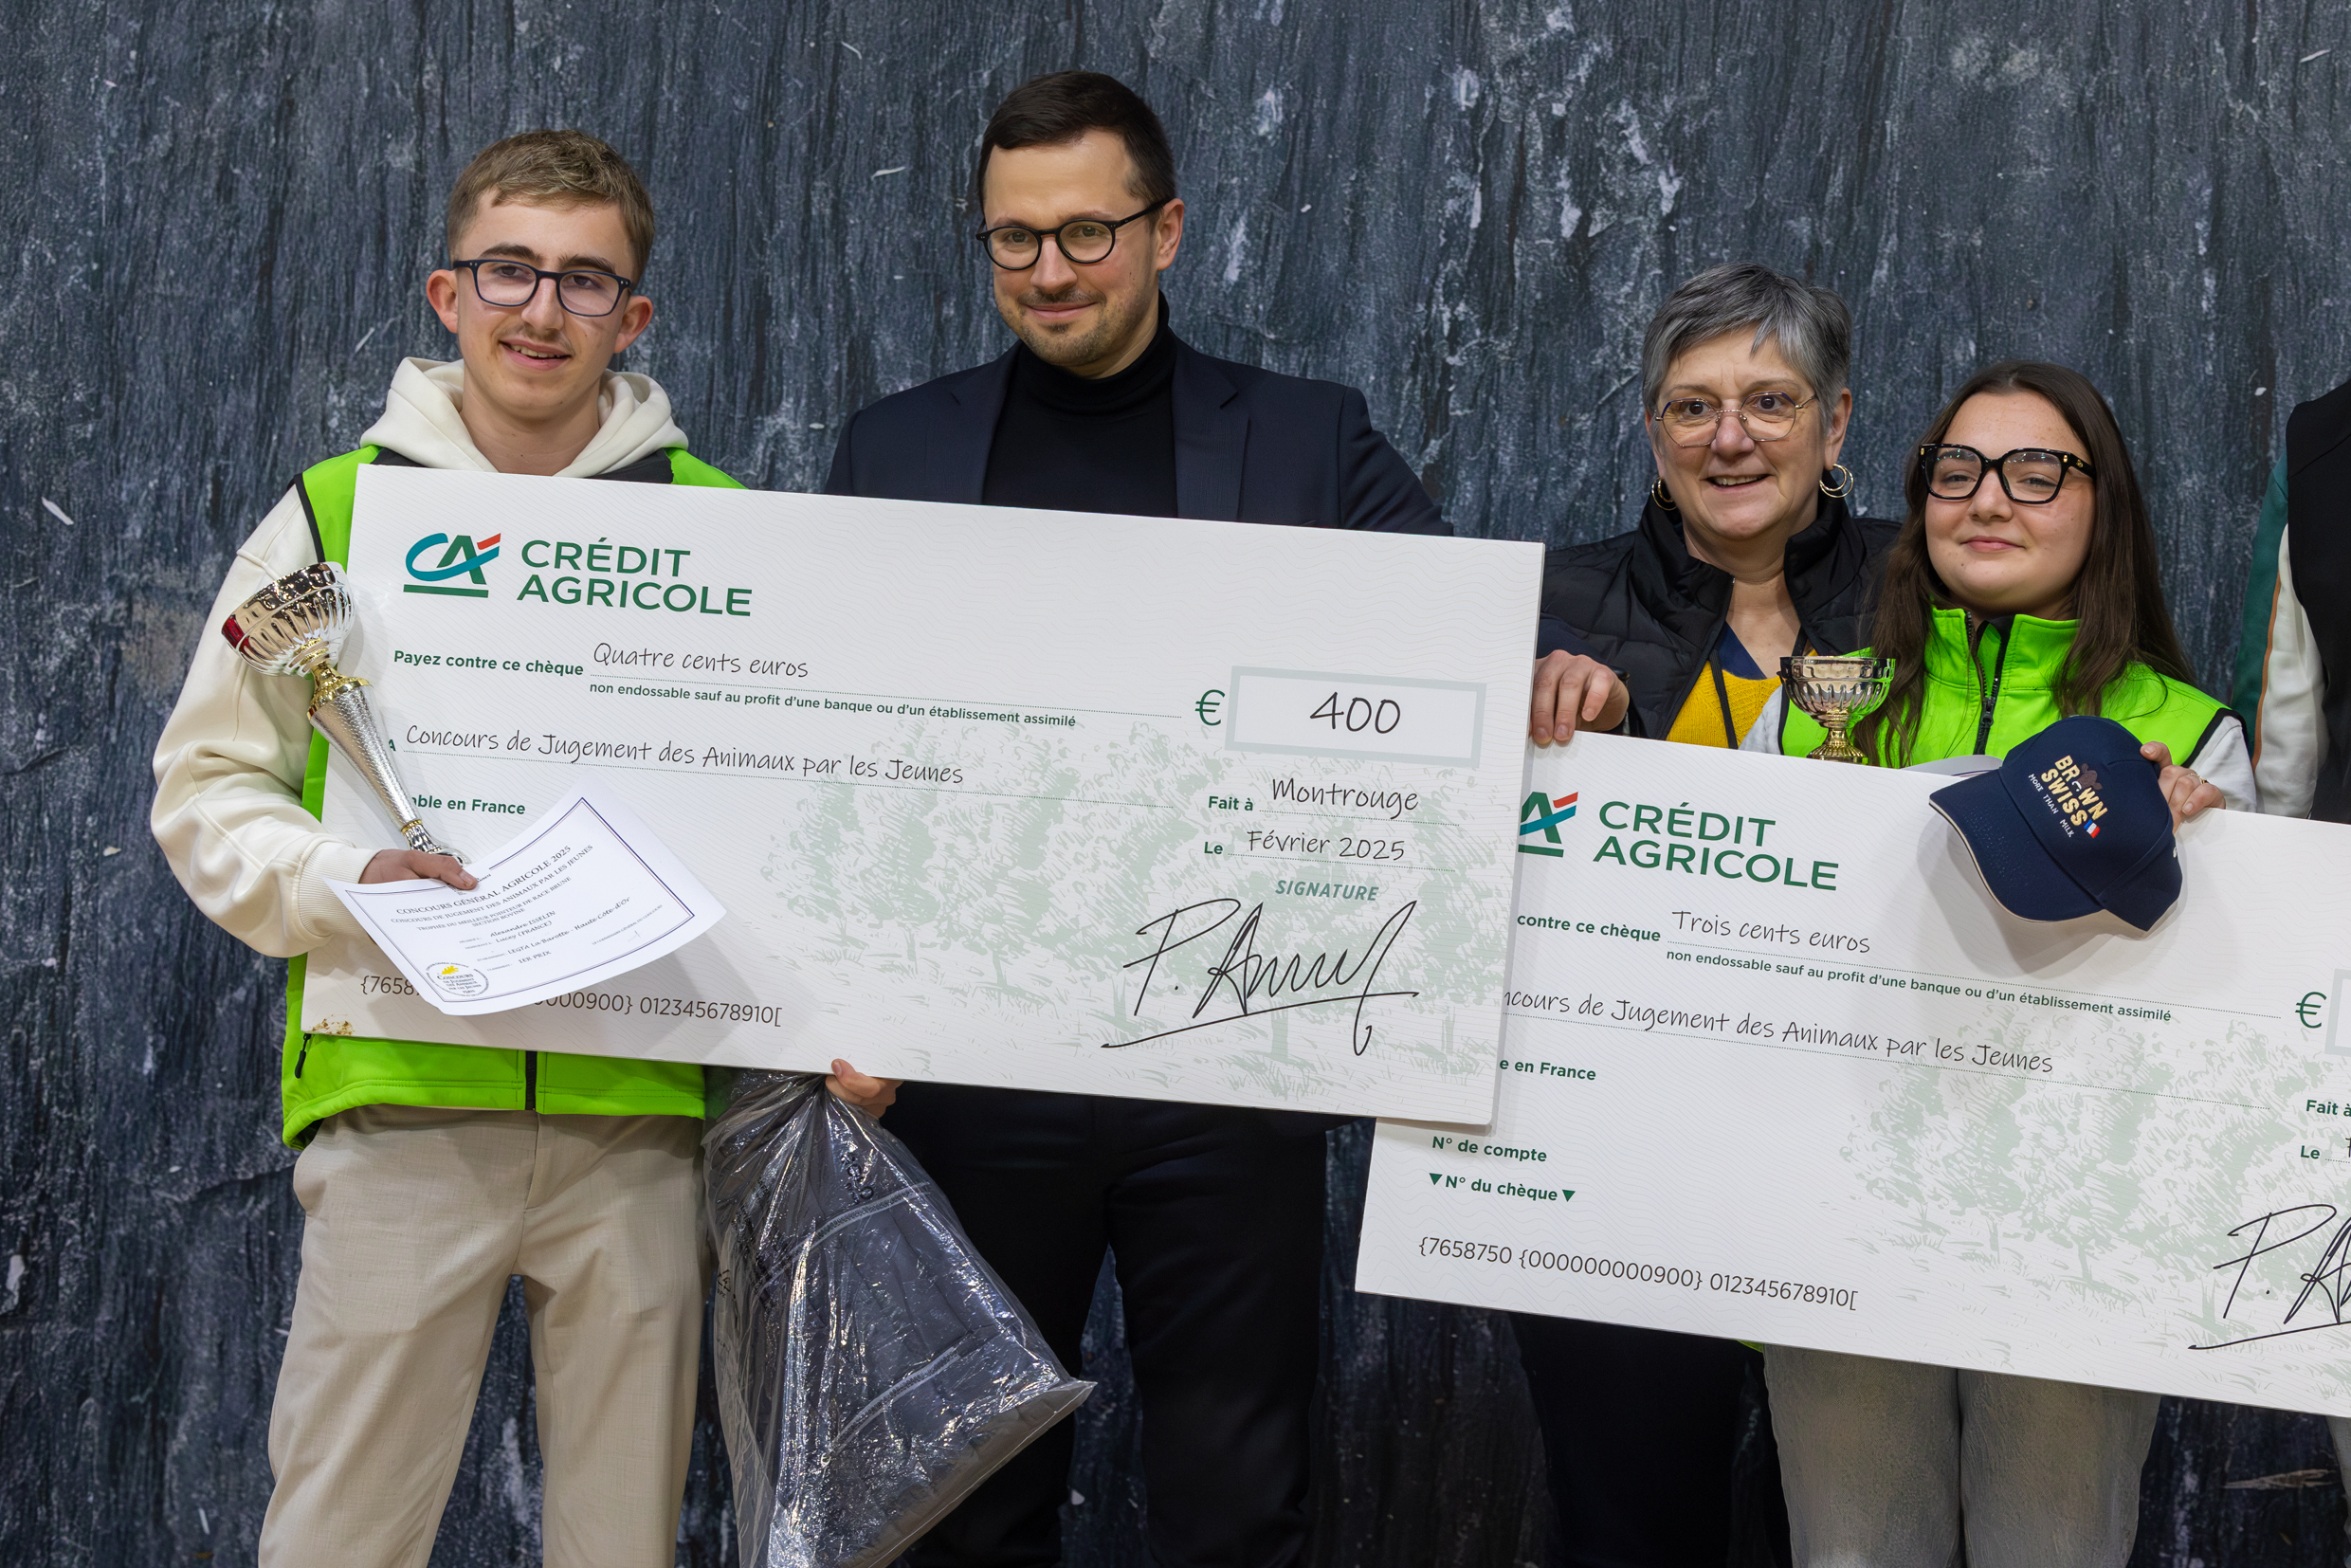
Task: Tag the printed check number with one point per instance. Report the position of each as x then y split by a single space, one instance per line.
1124 806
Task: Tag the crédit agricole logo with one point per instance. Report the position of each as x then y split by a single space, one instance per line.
1540 813
570 571
461 558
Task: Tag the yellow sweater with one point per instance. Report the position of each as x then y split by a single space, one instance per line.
1720 713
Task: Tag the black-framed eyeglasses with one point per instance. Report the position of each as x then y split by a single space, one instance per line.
506 283
1015 248
1764 415
2031 475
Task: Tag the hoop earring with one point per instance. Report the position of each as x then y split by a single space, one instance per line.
1844 487
1663 499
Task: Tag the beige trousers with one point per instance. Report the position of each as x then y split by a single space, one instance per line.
418 1219
1896 1464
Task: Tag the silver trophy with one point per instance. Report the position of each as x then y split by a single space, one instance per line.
296 626
1835 689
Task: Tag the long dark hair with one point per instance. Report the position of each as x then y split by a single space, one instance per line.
2118 599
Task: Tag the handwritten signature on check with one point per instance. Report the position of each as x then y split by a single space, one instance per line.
1251 984
2324 1280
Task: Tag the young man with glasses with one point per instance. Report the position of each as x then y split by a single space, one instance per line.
432 1173
1214 1215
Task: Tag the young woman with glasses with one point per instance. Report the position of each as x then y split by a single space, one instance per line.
2023 589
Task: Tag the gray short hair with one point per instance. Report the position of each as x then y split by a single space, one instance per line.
1813 329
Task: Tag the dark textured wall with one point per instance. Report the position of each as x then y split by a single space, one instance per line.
216 219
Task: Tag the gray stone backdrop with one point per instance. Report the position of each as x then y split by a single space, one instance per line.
219 217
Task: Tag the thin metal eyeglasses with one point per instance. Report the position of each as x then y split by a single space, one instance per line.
1015 248
2031 475
1765 416
506 283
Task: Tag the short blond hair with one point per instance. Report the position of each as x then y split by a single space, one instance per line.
559 169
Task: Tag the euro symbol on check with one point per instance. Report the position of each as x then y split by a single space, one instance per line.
2304 1007
1210 701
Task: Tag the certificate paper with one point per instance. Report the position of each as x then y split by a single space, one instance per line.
1776 1068
1177 810
585 895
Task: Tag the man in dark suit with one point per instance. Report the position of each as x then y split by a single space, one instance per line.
1099 406
1214 1215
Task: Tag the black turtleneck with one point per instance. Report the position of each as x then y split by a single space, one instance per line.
1069 443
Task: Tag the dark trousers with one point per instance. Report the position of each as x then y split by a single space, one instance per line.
1640 1427
1214 1217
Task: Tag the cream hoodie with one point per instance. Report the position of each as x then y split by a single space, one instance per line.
228 770
2290 717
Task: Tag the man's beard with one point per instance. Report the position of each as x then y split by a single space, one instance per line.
1066 349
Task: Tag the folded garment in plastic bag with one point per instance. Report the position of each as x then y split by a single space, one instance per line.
871 1369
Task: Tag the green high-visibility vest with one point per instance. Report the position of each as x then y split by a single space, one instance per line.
1986 695
322 1073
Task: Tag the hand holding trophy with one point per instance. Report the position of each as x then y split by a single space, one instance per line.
1835 689
295 626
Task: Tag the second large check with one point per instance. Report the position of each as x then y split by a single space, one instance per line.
1182 810
1776 1068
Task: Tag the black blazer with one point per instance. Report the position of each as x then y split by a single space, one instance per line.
1250 447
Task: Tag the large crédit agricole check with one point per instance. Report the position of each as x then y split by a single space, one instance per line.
1170 809
1776 1068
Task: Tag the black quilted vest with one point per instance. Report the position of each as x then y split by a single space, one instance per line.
1648 608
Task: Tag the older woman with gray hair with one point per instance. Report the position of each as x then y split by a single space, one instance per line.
1745 552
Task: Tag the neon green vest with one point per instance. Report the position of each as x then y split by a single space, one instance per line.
2003 692
322 1074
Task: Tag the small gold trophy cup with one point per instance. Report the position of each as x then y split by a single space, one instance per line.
1837 689
296 626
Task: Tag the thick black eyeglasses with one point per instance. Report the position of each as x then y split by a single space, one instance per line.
583 291
2031 475
1015 248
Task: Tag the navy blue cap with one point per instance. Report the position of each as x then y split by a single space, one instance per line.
2074 821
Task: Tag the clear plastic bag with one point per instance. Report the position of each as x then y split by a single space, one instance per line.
871 1368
